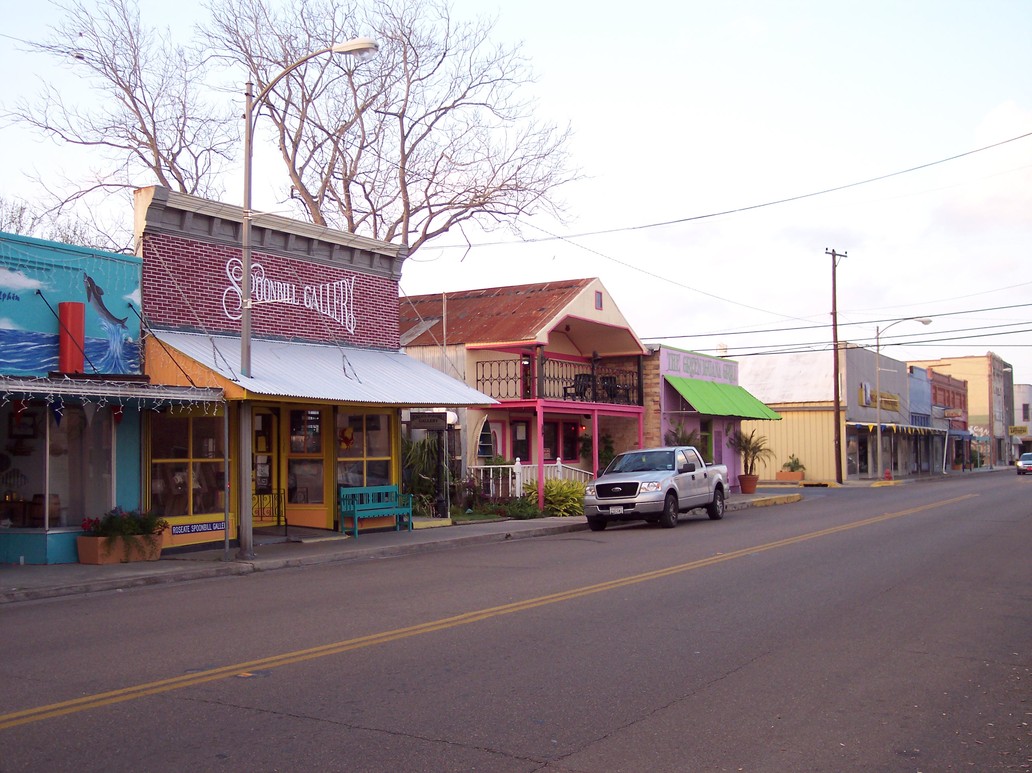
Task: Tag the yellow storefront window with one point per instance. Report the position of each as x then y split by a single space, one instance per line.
363 449
187 468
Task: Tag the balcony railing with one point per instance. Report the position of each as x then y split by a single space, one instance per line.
513 379
505 481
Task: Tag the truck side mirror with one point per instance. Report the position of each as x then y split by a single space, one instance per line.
687 467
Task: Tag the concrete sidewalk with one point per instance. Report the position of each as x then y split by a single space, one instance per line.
304 548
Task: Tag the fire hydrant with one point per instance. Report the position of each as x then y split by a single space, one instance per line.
888 474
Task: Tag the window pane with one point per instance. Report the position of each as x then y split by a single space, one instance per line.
207 437
305 432
208 488
378 436
549 434
80 466
485 447
169 436
169 486
569 455
350 474
350 436
521 441
378 473
305 481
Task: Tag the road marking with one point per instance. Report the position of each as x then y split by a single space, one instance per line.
249 668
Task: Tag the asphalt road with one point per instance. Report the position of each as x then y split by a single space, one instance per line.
866 629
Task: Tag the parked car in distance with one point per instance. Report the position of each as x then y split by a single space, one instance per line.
1024 464
655 485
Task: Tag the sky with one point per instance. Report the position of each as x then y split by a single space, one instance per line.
702 116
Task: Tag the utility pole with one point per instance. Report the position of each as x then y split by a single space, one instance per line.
835 369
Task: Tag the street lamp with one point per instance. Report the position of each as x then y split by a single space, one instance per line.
357 47
877 376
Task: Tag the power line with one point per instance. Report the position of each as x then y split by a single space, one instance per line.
827 324
737 210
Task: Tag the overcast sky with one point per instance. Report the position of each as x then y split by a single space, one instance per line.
685 110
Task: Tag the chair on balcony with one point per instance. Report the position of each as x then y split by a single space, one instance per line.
581 388
613 391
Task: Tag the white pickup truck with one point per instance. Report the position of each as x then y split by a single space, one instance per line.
655 485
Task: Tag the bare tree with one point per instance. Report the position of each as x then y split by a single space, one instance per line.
15 217
146 120
19 217
432 133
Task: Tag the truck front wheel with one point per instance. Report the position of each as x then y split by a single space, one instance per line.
715 509
668 519
597 524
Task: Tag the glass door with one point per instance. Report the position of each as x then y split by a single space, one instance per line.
267 492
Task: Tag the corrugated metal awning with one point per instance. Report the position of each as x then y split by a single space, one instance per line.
108 389
715 399
341 374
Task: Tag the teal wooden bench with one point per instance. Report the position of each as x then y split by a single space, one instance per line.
358 502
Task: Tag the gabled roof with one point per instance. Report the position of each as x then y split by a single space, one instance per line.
486 315
515 315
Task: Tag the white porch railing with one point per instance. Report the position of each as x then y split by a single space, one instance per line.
505 481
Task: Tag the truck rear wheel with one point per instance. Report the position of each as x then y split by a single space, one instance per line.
668 519
715 509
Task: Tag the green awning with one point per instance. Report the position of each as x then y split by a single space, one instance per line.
713 399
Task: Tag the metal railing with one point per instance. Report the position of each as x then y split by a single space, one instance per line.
506 481
512 379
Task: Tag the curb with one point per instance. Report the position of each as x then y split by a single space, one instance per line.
240 568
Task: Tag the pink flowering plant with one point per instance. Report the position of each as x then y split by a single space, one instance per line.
124 523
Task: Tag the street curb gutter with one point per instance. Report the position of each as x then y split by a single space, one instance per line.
191 570
239 568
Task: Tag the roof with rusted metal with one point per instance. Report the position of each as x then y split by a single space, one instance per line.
513 317
490 315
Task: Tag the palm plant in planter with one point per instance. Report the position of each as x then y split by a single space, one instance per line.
752 448
793 469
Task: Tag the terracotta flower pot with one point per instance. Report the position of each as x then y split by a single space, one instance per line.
748 483
120 550
788 475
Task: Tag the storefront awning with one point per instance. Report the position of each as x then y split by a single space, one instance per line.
715 399
342 374
111 389
963 433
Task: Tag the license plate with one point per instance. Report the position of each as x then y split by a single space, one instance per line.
616 509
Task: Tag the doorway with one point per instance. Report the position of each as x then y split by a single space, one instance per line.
268 500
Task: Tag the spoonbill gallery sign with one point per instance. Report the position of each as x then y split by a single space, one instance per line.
335 300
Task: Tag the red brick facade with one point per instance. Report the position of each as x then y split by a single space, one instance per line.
191 283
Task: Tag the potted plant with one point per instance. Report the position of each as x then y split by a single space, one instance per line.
792 470
120 536
752 448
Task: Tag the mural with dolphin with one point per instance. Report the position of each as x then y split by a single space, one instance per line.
37 275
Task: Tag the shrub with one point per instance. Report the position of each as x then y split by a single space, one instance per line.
122 523
562 497
522 508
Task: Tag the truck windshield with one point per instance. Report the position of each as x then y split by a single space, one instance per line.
653 461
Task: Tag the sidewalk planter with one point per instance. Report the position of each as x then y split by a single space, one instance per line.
118 550
748 483
788 476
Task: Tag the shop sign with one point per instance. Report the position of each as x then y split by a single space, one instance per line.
1018 429
198 528
426 420
335 300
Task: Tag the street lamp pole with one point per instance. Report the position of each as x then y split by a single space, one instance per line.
356 47
877 378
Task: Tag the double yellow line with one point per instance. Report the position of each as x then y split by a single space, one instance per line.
98 700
